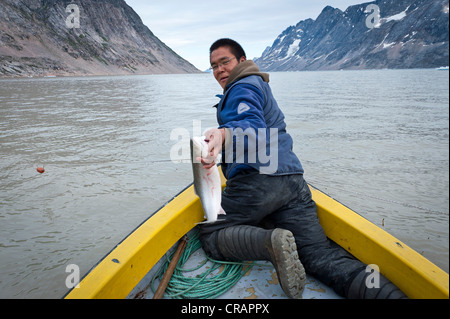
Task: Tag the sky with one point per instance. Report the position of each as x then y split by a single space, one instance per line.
189 27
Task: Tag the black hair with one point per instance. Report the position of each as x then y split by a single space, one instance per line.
235 48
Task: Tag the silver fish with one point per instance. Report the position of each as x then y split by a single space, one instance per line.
207 183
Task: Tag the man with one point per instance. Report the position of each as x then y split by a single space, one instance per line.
270 212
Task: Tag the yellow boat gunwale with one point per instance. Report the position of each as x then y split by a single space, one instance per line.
124 267
415 275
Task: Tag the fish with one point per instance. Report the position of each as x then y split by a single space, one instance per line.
207 183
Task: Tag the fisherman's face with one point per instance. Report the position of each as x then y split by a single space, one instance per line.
222 63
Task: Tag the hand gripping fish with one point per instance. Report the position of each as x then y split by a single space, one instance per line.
207 183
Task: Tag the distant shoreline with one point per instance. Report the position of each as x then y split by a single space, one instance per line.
3 76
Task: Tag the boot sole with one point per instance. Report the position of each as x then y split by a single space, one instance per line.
290 270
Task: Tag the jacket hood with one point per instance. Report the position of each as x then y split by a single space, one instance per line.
243 70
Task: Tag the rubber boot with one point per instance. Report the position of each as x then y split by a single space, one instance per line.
359 289
278 246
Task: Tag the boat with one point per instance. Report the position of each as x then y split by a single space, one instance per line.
129 266
442 68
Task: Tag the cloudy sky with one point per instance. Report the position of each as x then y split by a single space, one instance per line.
190 27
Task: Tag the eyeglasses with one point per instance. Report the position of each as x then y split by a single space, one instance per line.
215 67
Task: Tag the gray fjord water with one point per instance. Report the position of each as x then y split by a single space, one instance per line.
377 141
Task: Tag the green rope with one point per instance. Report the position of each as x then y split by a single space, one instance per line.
206 285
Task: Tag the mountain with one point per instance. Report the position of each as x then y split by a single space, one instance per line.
380 34
81 37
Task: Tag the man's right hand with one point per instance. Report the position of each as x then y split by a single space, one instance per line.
215 139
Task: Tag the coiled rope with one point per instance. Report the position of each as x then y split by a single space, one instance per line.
206 285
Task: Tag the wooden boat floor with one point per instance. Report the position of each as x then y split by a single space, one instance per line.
259 282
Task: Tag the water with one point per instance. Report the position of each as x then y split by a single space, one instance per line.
377 141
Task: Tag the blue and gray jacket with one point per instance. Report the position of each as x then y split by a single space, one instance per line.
256 124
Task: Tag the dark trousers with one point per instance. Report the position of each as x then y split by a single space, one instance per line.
283 202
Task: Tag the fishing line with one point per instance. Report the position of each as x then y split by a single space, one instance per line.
100 162
188 161
178 161
363 195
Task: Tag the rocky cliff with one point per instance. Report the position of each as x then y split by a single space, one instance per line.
80 37
379 34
